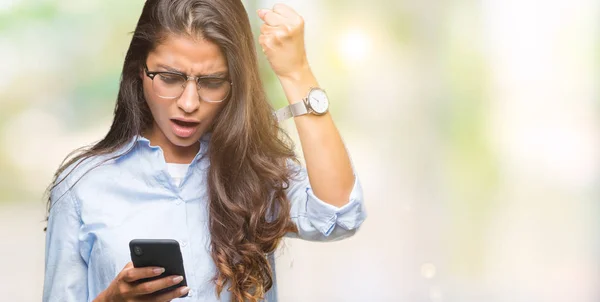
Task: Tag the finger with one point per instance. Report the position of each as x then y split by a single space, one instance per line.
174 294
266 42
149 287
270 17
266 28
285 11
275 37
132 274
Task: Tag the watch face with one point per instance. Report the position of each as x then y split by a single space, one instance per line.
318 101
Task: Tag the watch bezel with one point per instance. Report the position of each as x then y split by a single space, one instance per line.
309 104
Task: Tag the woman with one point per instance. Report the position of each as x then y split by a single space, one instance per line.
204 164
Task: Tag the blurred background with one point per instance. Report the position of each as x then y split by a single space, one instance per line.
474 127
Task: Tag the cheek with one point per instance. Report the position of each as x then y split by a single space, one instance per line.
147 92
213 111
155 103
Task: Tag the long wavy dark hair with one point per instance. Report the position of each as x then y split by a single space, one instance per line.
249 172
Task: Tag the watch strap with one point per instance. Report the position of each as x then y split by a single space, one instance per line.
292 110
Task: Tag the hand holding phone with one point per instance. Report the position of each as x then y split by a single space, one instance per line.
163 253
127 286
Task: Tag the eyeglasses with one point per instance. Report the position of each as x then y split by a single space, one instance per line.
170 85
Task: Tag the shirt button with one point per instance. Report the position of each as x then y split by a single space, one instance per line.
191 293
184 243
178 202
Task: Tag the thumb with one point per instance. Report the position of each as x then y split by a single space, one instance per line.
261 13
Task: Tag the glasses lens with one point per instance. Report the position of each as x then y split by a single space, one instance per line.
168 85
213 89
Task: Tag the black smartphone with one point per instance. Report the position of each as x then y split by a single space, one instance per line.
163 253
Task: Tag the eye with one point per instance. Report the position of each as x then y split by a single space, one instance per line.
169 79
211 83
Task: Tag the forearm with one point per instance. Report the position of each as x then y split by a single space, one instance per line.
327 162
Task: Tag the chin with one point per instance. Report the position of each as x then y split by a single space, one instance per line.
184 142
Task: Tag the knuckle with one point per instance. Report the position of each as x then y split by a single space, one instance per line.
146 287
124 290
262 40
268 41
294 29
281 34
264 29
279 40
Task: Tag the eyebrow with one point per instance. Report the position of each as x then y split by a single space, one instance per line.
220 74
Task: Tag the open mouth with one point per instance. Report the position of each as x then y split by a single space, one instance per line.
185 124
184 129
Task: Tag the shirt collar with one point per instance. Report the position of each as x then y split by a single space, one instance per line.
145 143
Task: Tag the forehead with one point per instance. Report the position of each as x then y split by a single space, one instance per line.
191 55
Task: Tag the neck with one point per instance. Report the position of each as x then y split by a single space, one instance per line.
173 154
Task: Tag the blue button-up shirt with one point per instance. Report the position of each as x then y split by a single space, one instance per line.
133 196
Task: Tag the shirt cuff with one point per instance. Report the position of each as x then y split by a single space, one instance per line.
324 217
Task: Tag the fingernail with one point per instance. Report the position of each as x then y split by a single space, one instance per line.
177 279
184 290
158 271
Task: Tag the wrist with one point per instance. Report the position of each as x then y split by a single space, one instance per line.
298 84
297 74
103 297
100 298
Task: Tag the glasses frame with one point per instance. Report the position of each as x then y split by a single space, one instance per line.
153 74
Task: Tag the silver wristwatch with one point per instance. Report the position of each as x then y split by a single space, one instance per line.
316 102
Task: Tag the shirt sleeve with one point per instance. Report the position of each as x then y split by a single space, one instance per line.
317 220
65 272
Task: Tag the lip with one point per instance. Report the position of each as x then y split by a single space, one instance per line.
187 120
184 131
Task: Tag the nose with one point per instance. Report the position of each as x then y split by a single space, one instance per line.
189 101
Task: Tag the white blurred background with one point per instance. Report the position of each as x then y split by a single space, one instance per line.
474 127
